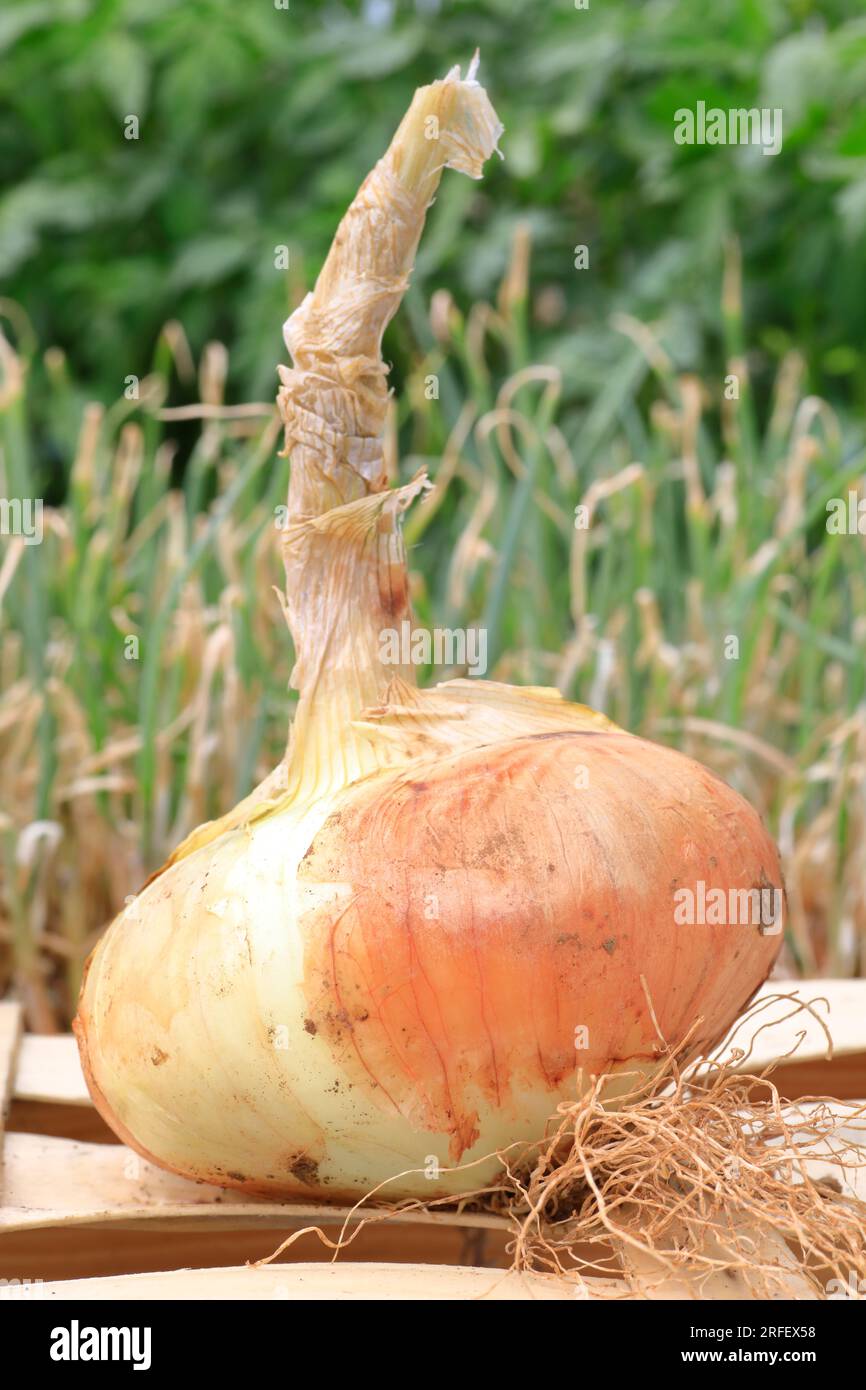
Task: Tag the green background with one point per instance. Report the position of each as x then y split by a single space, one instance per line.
257 124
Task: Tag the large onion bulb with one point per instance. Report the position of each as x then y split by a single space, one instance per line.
445 909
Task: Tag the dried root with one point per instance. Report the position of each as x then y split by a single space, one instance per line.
696 1188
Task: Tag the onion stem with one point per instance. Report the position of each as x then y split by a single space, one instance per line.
345 564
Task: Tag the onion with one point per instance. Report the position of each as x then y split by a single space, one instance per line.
445 910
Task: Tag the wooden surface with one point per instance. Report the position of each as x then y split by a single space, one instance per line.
49 1070
59 1181
85 1252
841 1004
10 1041
344 1281
78 1207
814 1068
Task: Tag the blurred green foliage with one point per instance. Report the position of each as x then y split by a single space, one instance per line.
257 123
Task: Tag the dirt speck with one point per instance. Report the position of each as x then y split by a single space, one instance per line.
157 1056
610 945
304 1168
310 1027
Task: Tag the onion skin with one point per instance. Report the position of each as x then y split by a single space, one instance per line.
551 904
375 966
414 1037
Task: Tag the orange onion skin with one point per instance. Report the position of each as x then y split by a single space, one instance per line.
497 909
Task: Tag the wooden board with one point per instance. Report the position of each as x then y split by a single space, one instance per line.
49 1071
405 1282
86 1252
51 1182
840 1003
10 1039
344 1281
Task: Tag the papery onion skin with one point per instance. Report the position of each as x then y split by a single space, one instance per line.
510 908
430 949
445 910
